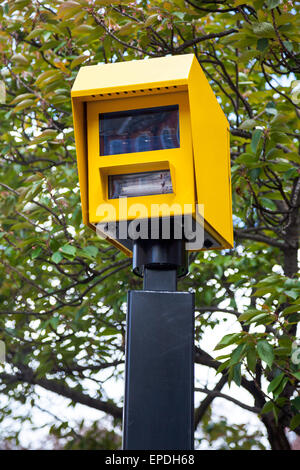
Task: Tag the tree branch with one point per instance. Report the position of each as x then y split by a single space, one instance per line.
259 238
192 42
200 412
216 393
65 391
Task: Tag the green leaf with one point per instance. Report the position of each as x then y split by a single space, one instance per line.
295 422
273 4
109 332
56 257
268 203
251 358
262 318
280 387
227 340
49 134
45 75
254 174
68 250
249 314
179 14
84 29
262 44
68 9
265 352
246 159
23 105
22 97
294 294
255 139
79 60
19 59
291 309
264 290
294 318
222 366
296 403
247 55
271 109
90 251
237 376
267 408
275 382
35 33
54 322
248 124
36 252
237 354
288 45
224 356
151 20
263 29
48 77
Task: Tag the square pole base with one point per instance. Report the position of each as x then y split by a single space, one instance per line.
159 381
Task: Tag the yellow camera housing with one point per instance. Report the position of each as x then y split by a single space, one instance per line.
188 149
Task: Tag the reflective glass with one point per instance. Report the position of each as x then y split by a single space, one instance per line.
139 130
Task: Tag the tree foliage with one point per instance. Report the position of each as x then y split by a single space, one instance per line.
62 290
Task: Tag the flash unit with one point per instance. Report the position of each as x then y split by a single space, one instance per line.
147 183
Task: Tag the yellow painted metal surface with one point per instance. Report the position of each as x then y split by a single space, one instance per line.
211 148
179 161
200 168
133 75
82 164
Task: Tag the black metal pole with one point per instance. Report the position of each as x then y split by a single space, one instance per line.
159 379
